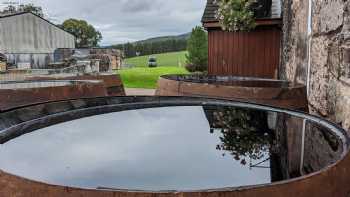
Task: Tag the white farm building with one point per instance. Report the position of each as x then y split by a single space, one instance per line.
28 40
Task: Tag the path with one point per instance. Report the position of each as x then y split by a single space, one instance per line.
139 92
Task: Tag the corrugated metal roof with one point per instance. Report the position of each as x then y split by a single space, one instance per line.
211 8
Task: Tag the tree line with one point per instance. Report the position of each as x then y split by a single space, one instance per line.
149 48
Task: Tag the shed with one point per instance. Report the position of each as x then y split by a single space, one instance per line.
251 54
29 41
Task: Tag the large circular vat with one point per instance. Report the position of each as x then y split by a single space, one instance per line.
20 93
262 91
169 146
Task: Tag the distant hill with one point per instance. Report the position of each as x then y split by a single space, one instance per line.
155 45
165 38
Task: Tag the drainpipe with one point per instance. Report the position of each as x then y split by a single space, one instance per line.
302 148
309 42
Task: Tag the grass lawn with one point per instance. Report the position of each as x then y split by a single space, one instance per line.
164 59
147 77
143 77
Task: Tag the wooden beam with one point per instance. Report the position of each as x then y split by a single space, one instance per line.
259 22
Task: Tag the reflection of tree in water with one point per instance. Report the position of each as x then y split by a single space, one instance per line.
245 133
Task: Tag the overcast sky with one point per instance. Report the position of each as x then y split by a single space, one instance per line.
128 20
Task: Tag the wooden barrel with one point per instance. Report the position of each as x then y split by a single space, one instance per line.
262 91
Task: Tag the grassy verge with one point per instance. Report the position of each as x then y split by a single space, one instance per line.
147 77
143 77
174 59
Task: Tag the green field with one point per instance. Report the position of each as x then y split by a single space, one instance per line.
143 77
166 59
147 77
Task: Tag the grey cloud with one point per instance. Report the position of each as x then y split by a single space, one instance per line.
138 6
129 20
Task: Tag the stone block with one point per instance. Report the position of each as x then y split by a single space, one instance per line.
328 15
343 105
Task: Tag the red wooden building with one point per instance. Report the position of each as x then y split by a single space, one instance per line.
253 54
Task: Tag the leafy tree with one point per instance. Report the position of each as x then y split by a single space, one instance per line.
197 47
32 8
11 9
244 133
86 35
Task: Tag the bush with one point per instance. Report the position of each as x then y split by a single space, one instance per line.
236 15
197 47
195 68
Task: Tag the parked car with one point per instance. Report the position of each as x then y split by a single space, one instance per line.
152 62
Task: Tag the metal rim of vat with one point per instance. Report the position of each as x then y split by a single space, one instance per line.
207 79
60 82
76 109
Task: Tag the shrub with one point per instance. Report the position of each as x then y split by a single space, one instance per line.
195 68
236 15
197 47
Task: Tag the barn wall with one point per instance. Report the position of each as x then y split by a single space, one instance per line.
28 38
253 54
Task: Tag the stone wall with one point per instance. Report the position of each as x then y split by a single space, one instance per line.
329 94
294 45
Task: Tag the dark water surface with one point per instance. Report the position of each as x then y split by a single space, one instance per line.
172 148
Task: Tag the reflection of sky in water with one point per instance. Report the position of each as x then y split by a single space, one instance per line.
152 149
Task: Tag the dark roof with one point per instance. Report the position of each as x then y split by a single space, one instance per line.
210 11
22 13
211 8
